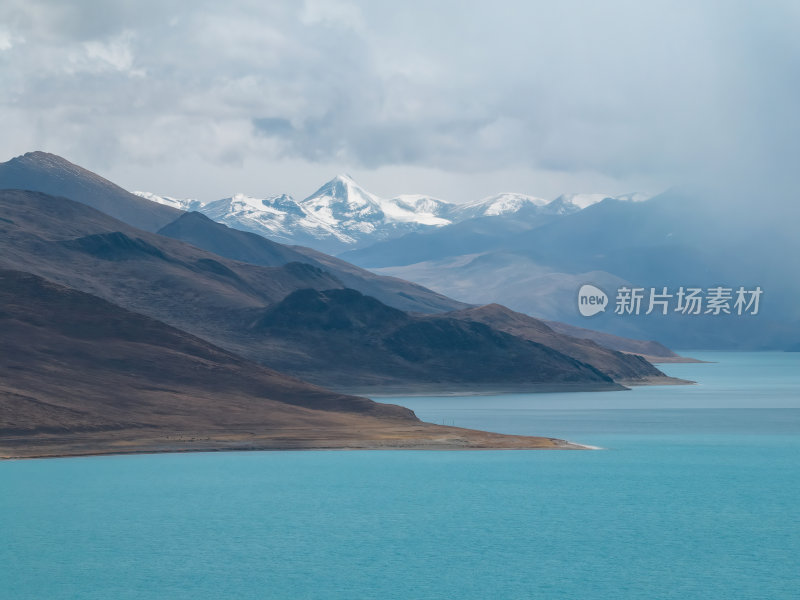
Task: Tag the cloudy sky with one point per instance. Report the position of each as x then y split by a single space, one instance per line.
457 99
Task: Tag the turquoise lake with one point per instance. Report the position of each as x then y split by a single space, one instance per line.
695 495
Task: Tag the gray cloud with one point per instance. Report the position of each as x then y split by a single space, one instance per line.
654 93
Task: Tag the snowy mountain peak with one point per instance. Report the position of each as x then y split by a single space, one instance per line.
345 178
243 201
341 187
342 204
422 204
187 204
500 204
343 215
581 200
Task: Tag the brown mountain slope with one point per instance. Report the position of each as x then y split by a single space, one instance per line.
198 230
82 376
219 300
626 368
358 338
51 174
653 351
194 290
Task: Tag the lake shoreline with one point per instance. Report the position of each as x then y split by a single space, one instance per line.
445 390
422 436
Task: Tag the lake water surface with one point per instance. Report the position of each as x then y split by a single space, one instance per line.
697 495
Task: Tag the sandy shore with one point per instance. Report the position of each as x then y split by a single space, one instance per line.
421 436
669 359
389 392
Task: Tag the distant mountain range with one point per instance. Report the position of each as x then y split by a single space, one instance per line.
341 215
521 251
675 239
532 255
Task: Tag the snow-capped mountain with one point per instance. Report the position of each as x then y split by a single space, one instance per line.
428 210
187 204
567 204
351 209
279 218
501 204
341 215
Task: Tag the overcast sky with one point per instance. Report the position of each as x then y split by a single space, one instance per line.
456 99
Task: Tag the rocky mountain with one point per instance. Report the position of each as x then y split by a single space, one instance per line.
72 244
622 367
51 174
467 238
80 375
51 330
358 215
476 227
342 216
675 239
504 217
182 204
202 232
494 206
238 306
324 329
198 230
339 215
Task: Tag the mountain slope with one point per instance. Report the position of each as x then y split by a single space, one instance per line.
219 300
477 227
199 230
56 336
83 376
194 290
326 328
51 174
469 237
358 216
651 350
622 367
494 206
278 218
674 240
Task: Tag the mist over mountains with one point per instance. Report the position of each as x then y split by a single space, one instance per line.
533 255
521 251
674 240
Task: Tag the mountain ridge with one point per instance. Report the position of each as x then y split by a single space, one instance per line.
43 172
218 300
341 215
82 376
